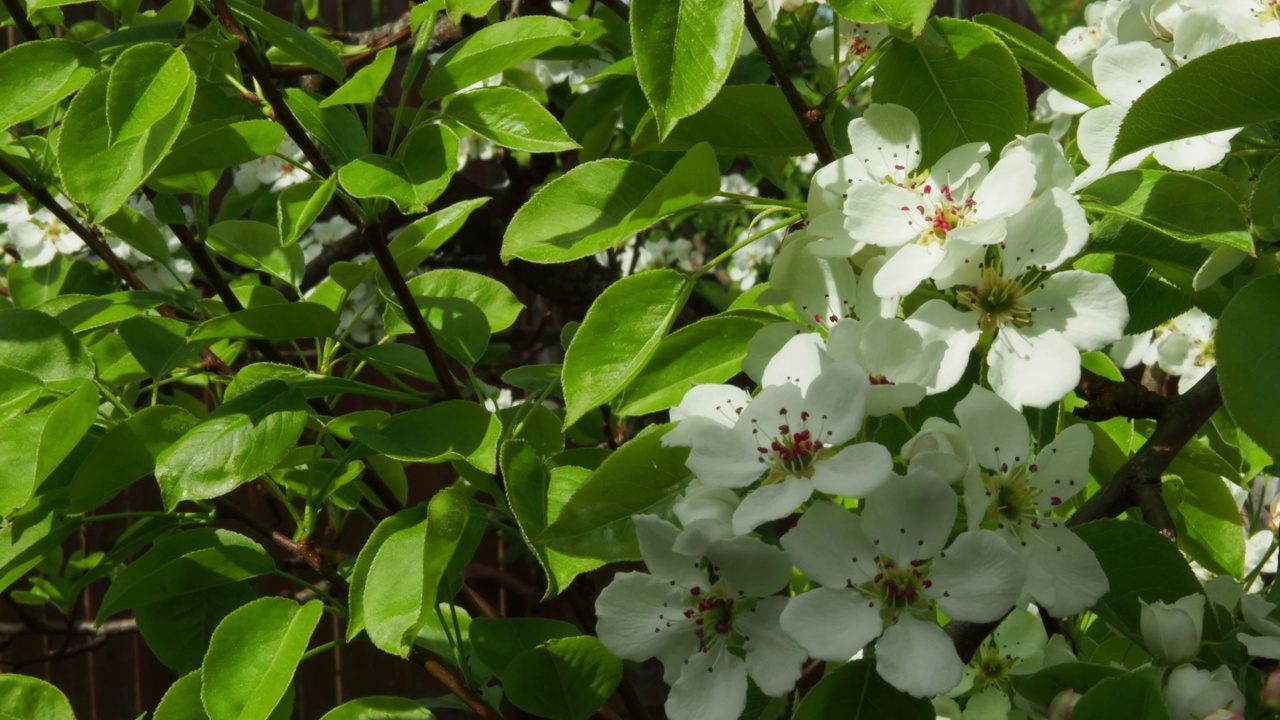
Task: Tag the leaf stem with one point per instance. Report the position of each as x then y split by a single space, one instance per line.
741 244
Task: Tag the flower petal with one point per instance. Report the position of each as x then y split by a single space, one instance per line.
886 139
831 624
997 433
1050 231
829 547
1063 574
722 456
836 402
854 472
712 686
774 660
1035 369
771 502
1062 468
978 578
909 518
907 268
918 658
937 320
749 566
637 619
656 538
883 215
1086 307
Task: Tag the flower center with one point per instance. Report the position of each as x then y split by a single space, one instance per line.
998 301
1270 11
991 667
880 380
791 450
900 588
1010 499
940 212
712 615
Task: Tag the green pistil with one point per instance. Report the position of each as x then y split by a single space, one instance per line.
998 302
900 588
1010 499
991 668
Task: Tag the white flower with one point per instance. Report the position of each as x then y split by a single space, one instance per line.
1194 694
655 253
745 264
901 364
324 234
884 574
788 439
273 171
1172 632
1017 647
40 236
1012 493
1257 615
1186 347
941 448
857 40
711 621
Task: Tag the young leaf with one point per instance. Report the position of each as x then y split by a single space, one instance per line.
145 83
509 118
126 453
40 73
252 657
563 679
420 171
299 205
363 87
291 40
451 430
418 241
29 697
283 321
619 334
1040 58
684 50
905 14
1179 206
499 305
34 444
494 49
1247 346
40 345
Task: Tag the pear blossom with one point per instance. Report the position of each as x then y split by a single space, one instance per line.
900 363
38 237
713 620
1194 694
1172 631
1257 616
884 574
1016 647
786 442
857 40
272 171
324 234
1186 348
941 448
746 262
1013 493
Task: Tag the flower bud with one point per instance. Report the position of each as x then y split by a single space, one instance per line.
1191 693
1172 632
1271 692
1224 714
1062 705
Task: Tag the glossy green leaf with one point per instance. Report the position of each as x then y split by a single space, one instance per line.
1208 520
739 120
459 326
1247 346
177 630
234 444
256 245
144 85
499 305
1042 687
509 118
1135 695
684 50
291 40
102 175
1140 563
236 143
28 538
857 692
182 701
286 321
139 233
639 477
421 170
379 707
82 313
1218 91
710 350
190 562
38 344
34 444
26 697
1179 206
127 453
19 389
494 49
300 205
418 241
364 87
40 73
962 83
498 641
402 522
1043 60
458 9
563 679
157 343
451 430
619 334
252 657
338 129
906 14
1264 205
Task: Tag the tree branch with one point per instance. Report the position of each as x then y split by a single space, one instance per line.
19 15
1108 399
810 117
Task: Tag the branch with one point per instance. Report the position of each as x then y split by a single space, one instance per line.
810 117
378 39
19 15
453 684
1108 399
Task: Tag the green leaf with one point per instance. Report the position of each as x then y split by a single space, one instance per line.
1043 60
475 8
257 246
28 538
1208 520
1179 206
252 657
499 305
299 205
855 691
498 641
710 350
234 444
640 476
379 707
451 430
26 697
619 334
962 83
418 241
404 520
739 120
494 49
144 85
1219 91
1135 695
291 40
284 321
178 630
236 143
337 128
127 453
1045 685
363 87
1140 563
40 73
18 391
1247 346
904 14
182 564
421 170
1264 206
82 313
38 344
157 343
102 175
34 444
509 118
684 50
140 233
563 679
182 700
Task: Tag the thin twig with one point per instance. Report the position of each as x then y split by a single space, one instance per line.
810 117
19 15
453 684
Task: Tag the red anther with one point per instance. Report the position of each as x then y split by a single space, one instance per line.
1033 467
722 628
1055 501
688 614
699 632
927 584
1004 467
695 591
928 189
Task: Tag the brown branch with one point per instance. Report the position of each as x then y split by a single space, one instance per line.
10 630
810 117
1108 399
19 15
399 33
453 684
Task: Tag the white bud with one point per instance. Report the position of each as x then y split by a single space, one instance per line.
1172 632
1192 693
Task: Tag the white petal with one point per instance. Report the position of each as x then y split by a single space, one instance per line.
831 624
712 686
765 344
909 518
722 456
1123 72
1096 136
822 289
869 304
844 341
749 566
937 320
1062 467
719 403
774 660
907 268
958 166
1052 168
978 578
1007 188
1086 307
656 537
829 547
830 182
883 215
1195 153
918 658
798 362
896 350
888 399
1221 261
1267 647
854 472
836 403
771 502
1063 574
634 624
1032 369
887 140
1050 231
997 433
